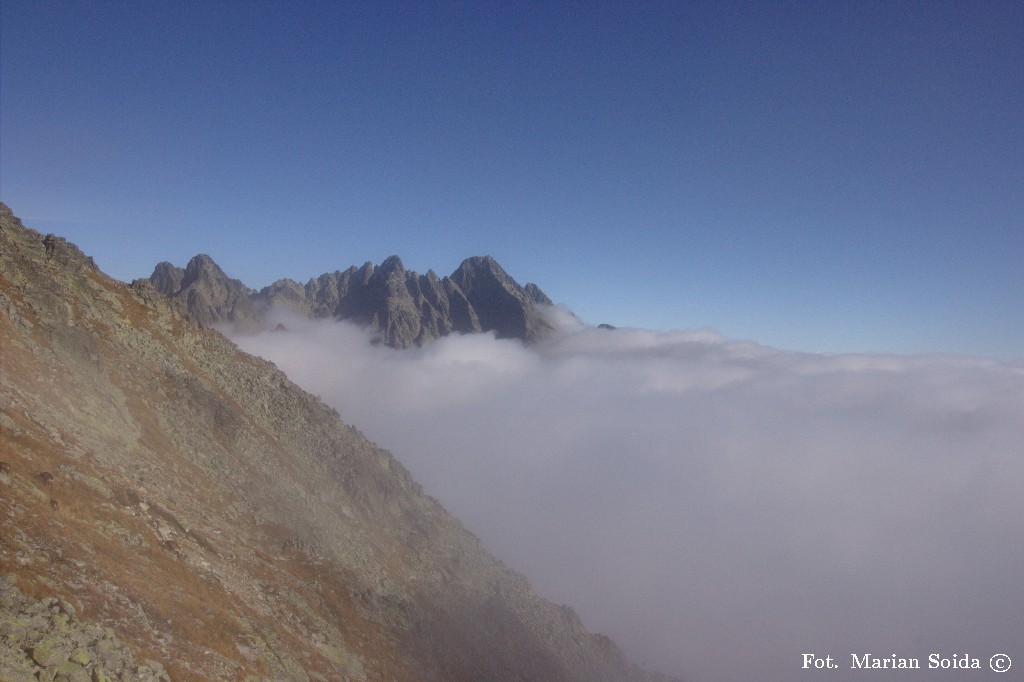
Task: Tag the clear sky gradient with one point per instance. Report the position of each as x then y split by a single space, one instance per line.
816 176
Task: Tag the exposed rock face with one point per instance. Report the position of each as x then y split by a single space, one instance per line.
402 306
42 639
499 302
207 294
220 522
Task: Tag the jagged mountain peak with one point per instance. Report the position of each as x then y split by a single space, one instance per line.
166 278
202 262
478 262
204 292
403 307
487 266
392 264
481 266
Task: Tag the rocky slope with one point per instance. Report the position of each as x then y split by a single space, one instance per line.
403 307
215 522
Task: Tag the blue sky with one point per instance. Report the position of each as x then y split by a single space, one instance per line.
814 176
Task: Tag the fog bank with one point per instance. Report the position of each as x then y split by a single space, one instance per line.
717 507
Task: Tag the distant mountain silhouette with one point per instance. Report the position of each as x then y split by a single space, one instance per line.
403 307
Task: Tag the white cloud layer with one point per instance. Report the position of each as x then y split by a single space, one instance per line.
718 507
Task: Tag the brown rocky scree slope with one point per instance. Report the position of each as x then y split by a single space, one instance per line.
215 522
403 307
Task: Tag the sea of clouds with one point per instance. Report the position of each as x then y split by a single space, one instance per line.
718 507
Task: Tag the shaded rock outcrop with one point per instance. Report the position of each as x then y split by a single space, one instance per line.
403 307
498 301
217 522
206 294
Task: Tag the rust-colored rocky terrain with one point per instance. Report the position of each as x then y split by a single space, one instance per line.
172 508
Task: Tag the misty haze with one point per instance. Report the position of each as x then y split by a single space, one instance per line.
798 454
718 507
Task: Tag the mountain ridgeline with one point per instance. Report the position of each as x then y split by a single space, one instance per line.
172 508
403 308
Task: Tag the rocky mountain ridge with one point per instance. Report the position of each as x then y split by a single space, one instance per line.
169 499
403 307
